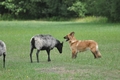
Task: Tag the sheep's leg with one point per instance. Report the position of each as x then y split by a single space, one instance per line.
31 54
4 55
48 52
37 55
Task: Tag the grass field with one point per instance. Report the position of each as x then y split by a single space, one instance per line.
17 34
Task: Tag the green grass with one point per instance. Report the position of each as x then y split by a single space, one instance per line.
17 34
91 19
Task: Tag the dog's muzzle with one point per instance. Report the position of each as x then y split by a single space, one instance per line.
66 38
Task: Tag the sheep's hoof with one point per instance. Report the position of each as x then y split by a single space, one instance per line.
49 60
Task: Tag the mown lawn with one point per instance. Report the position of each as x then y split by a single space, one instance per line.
17 34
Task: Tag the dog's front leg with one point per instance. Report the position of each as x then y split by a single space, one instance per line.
74 54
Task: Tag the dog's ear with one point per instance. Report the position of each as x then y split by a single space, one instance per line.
72 33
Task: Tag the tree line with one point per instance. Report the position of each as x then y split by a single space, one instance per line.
36 9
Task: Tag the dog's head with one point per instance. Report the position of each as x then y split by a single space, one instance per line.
69 36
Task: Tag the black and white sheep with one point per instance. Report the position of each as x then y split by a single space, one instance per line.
44 42
3 51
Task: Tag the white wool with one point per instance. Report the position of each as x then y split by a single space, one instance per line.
46 41
2 47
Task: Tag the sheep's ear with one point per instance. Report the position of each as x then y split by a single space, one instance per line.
72 33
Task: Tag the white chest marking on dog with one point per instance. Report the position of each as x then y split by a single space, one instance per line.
73 41
78 43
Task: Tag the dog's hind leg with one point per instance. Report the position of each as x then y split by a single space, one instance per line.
96 52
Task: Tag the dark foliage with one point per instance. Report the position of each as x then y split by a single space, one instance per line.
37 9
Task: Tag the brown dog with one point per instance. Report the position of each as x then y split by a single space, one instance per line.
80 46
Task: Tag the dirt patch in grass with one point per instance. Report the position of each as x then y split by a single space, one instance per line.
75 73
58 70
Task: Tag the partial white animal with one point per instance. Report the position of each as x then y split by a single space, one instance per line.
3 51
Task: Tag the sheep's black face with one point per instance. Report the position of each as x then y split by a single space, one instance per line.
59 47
